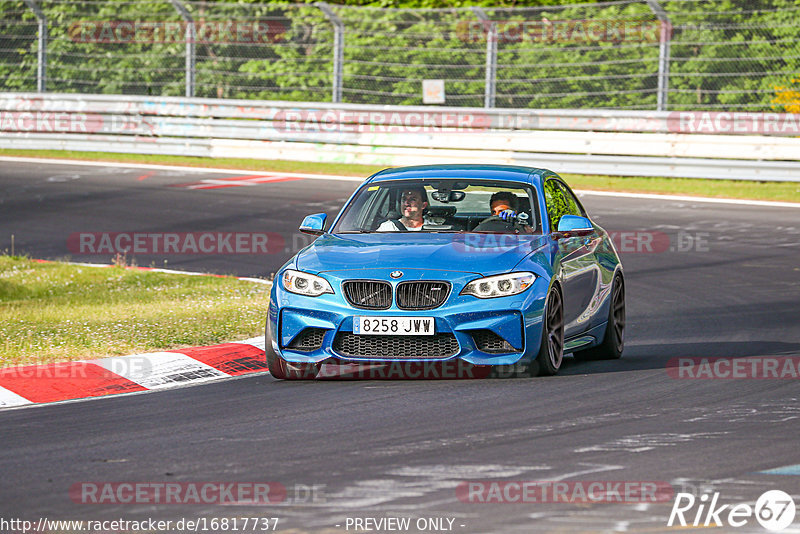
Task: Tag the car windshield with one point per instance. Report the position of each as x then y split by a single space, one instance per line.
437 205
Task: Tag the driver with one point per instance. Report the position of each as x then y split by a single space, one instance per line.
413 202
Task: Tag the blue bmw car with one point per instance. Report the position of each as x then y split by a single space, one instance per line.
486 267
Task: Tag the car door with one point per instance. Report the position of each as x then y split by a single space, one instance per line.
579 271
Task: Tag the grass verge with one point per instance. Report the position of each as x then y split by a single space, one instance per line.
776 191
53 312
741 189
346 169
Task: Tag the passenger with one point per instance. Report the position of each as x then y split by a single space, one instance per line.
413 203
504 204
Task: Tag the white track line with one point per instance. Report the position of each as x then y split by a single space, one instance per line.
168 271
199 170
9 399
734 201
650 196
159 370
154 371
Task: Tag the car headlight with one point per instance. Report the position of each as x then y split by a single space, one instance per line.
305 284
502 285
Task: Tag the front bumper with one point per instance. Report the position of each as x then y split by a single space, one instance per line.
516 320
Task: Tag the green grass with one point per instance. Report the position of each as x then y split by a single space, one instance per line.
52 312
776 191
779 191
346 169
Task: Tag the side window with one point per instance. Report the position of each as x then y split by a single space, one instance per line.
556 203
574 206
560 201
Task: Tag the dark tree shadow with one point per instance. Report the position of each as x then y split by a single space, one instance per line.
661 356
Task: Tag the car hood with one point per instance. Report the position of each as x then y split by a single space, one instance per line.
482 254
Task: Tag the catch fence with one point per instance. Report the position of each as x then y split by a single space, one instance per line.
666 55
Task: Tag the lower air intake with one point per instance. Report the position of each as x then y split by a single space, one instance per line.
307 340
488 341
378 347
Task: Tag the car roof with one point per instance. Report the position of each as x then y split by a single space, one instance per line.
510 173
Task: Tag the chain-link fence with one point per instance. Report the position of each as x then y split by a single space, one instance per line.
627 54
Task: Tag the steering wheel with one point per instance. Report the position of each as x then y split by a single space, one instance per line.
496 224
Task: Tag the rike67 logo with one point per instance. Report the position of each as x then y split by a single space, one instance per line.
774 510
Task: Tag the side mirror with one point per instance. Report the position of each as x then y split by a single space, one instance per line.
314 224
574 224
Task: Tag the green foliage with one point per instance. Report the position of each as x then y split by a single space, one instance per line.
558 203
300 62
726 54
732 54
18 30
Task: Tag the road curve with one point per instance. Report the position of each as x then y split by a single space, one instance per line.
720 281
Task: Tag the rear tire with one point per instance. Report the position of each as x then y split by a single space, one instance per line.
551 351
614 337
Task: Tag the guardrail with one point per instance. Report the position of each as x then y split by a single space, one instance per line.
761 146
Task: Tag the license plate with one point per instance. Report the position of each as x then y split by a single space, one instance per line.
394 326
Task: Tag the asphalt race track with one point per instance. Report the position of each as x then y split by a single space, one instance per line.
723 281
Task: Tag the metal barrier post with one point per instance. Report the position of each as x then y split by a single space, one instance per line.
338 49
41 66
190 45
491 57
663 53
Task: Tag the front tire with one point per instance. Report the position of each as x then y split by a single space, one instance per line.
283 370
551 351
275 364
614 338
